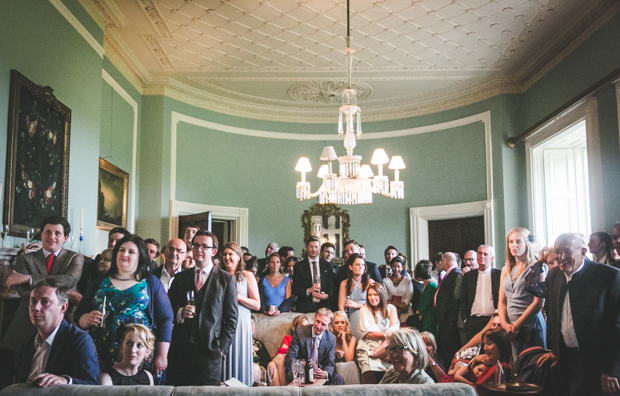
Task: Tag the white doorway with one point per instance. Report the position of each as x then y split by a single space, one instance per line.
563 169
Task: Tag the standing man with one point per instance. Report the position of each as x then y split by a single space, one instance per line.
584 320
349 248
600 246
470 261
51 262
204 331
153 250
328 251
90 270
479 292
313 342
447 309
310 294
263 269
189 233
174 252
59 353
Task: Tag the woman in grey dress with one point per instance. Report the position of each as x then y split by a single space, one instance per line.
238 361
352 295
518 310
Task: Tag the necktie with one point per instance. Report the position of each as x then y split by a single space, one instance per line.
199 280
315 349
50 261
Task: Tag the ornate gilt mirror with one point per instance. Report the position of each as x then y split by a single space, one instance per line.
327 222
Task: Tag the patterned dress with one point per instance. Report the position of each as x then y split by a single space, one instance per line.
122 307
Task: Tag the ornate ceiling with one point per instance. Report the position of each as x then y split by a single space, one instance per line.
282 59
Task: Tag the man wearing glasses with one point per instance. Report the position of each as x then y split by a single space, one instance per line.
204 299
174 254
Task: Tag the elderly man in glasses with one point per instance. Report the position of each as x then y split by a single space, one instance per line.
407 352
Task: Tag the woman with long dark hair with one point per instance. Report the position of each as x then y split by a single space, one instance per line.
352 295
131 295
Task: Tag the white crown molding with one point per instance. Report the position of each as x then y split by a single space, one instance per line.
154 17
134 148
105 13
125 61
419 218
77 25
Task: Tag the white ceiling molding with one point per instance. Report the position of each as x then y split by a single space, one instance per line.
105 13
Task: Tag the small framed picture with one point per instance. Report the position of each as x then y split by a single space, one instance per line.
113 196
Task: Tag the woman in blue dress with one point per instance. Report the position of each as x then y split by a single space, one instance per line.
238 361
274 287
131 295
352 294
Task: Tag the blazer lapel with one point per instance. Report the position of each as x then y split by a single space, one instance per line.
57 348
59 262
39 261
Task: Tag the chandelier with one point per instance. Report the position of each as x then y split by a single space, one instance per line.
356 183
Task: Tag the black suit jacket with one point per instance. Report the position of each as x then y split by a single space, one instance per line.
73 354
469 282
214 326
302 280
301 348
447 305
594 294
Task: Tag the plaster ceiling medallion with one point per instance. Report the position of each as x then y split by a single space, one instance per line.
251 51
324 91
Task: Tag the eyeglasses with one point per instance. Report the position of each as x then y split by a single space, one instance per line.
203 247
399 349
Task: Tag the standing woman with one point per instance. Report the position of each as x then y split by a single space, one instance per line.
352 295
399 289
425 312
238 360
377 319
519 311
274 287
132 295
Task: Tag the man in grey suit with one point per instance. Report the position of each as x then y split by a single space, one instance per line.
51 262
316 343
203 331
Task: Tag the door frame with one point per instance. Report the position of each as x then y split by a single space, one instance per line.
419 218
238 218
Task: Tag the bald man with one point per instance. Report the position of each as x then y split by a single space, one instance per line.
470 261
447 309
174 253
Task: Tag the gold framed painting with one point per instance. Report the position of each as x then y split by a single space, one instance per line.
113 196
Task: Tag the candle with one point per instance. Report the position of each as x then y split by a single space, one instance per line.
82 220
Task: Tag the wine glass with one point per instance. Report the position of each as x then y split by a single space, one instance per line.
190 298
295 367
30 235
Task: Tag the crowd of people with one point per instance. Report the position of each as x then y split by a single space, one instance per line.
122 319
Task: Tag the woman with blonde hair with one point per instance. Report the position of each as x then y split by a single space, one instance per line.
519 311
345 348
408 355
138 345
434 369
238 360
276 366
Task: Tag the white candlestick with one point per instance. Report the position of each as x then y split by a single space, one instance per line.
82 220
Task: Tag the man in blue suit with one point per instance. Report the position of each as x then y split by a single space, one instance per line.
315 342
60 353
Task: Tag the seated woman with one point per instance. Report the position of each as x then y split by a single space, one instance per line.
497 348
276 366
345 348
409 358
434 369
377 319
399 289
131 295
352 291
275 288
138 344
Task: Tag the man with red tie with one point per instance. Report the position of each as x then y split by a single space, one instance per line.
51 262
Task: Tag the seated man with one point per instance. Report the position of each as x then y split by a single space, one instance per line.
322 347
60 353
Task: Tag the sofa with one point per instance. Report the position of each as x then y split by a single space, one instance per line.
454 389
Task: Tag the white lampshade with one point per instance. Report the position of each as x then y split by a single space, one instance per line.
379 157
323 170
397 162
303 165
366 171
328 154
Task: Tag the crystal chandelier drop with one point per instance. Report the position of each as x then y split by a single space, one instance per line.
356 183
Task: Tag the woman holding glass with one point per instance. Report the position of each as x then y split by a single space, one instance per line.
274 287
129 294
519 311
238 360
352 295
399 289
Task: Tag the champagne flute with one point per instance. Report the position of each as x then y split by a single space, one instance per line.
190 298
30 235
104 314
263 377
295 367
